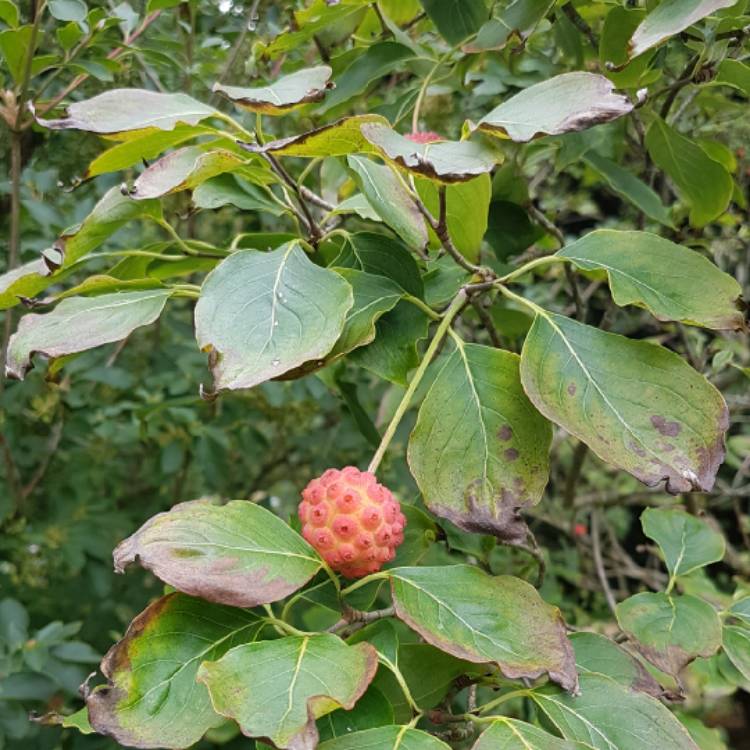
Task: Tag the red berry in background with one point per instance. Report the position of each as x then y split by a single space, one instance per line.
424 136
353 521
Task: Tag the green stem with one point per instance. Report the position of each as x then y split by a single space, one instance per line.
364 581
503 698
172 232
424 307
285 627
423 89
450 313
521 300
523 270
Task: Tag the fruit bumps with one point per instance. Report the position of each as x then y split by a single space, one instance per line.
353 521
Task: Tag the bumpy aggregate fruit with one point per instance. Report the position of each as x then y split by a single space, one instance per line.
353 521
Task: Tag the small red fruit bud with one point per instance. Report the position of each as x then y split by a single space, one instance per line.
424 136
353 522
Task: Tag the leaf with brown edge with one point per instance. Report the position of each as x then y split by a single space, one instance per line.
284 94
239 553
276 690
121 110
637 405
81 323
563 104
151 672
444 161
480 450
339 138
464 611
670 630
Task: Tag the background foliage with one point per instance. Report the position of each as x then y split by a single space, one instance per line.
97 443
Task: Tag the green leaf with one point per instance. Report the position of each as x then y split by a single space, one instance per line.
737 647
79 720
479 450
430 672
637 405
705 738
734 73
456 19
741 610
81 323
390 199
263 314
340 138
152 699
182 169
671 17
609 716
386 738
686 542
563 104
516 21
239 553
9 13
614 48
372 710
630 187
464 611
512 734
443 161
466 209
143 145
284 94
119 110
670 630
68 10
382 255
24 281
597 653
393 354
704 184
14 46
277 689
510 229
111 213
227 190
641 270
378 60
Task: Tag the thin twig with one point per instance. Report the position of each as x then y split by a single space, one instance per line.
52 444
598 563
487 322
580 23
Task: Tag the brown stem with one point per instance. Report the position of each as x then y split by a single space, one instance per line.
580 23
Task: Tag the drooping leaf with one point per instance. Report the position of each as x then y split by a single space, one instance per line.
614 48
26 280
566 103
81 323
704 183
226 190
736 641
671 17
119 110
444 161
277 689
263 314
479 450
384 256
466 210
340 138
630 187
464 611
670 630
456 19
511 734
627 401
390 199
670 281
609 716
386 738
152 699
111 213
597 653
284 94
182 169
686 542
238 554
515 23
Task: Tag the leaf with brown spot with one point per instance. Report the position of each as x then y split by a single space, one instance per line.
670 630
151 699
464 611
563 104
479 450
669 280
339 138
239 553
444 161
620 384
284 94
276 690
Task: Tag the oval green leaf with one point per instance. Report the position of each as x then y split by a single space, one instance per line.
512 734
386 738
